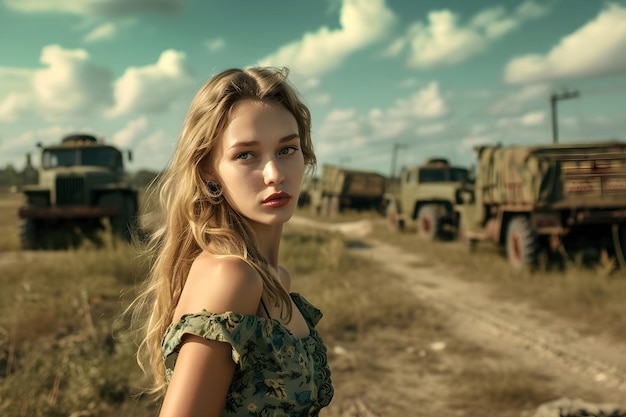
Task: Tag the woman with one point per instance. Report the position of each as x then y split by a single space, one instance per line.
225 336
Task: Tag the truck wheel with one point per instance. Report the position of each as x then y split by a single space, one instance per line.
429 222
521 243
125 222
28 234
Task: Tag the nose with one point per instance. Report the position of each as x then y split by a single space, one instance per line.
272 173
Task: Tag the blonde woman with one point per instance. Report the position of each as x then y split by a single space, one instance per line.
225 336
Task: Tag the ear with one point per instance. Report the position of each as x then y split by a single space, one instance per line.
206 170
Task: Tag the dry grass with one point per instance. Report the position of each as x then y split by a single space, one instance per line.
598 290
9 202
65 352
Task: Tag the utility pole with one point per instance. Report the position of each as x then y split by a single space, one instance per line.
394 155
553 100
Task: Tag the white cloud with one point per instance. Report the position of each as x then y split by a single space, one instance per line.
321 99
16 106
533 119
519 100
385 126
431 129
595 49
106 31
128 135
341 128
16 148
71 85
443 41
341 123
215 45
152 88
530 119
363 22
469 142
95 7
427 103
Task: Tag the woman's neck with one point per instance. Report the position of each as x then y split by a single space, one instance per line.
267 239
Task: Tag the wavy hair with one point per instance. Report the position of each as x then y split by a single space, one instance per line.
190 218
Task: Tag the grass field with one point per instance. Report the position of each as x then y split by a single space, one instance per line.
65 351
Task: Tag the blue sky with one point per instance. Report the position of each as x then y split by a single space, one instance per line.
434 77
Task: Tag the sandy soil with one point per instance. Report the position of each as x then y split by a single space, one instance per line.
400 374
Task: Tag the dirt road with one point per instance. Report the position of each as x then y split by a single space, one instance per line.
512 331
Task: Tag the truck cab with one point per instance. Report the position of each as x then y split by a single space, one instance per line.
82 182
426 195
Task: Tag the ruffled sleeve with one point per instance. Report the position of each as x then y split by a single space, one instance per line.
310 313
235 329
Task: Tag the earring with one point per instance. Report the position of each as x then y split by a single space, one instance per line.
215 190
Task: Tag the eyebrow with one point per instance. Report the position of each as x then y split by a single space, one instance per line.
287 138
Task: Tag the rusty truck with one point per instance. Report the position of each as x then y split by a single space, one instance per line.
555 199
338 189
424 198
82 185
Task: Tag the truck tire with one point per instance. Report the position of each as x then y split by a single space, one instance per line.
429 222
124 223
28 234
521 243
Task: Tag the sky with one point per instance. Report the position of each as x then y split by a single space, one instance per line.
389 83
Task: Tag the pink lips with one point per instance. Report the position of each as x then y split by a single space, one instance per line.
277 200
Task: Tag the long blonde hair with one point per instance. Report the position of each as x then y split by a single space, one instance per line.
191 218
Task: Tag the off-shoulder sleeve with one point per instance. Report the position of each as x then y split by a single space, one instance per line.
240 331
311 313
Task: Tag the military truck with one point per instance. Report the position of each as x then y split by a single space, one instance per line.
81 184
425 197
555 199
338 189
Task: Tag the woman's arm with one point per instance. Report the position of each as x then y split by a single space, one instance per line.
204 368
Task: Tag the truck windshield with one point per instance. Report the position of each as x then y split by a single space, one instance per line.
102 157
443 175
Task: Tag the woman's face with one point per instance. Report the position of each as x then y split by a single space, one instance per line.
259 162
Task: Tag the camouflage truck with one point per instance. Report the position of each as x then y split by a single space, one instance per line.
338 189
425 197
556 199
81 184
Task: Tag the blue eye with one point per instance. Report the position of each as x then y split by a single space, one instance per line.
244 156
288 150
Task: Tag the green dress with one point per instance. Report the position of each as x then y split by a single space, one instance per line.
277 374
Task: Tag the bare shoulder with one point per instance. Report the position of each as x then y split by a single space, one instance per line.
285 278
219 284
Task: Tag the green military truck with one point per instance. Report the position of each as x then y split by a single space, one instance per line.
563 198
425 197
338 189
81 184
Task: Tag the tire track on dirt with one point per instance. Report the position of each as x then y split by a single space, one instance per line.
500 323
512 328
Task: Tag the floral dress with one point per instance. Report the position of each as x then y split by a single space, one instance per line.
277 374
